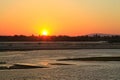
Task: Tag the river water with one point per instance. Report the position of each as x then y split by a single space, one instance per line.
60 70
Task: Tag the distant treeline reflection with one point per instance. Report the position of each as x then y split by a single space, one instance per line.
110 39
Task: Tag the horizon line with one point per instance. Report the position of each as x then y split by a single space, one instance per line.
90 34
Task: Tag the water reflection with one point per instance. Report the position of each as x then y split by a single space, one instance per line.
45 63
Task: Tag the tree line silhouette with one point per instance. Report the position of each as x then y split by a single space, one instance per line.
110 39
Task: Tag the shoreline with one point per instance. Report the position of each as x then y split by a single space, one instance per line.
5 50
108 58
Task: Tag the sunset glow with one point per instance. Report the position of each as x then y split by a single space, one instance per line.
44 33
62 17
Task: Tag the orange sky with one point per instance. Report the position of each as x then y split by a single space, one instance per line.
59 17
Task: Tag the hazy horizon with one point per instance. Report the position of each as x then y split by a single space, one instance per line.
62 35
59 17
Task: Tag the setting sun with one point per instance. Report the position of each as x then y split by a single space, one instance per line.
44 33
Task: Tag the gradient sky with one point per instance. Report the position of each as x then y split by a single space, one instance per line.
59 17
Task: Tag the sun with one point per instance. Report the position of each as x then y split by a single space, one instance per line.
44 33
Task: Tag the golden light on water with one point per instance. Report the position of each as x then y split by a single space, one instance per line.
45 63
